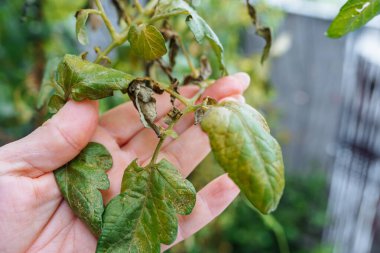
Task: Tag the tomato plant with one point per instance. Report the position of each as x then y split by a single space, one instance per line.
144 214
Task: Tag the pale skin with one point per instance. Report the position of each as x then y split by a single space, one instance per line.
33 215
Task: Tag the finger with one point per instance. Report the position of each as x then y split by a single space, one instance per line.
144 143
53 144
224 87
123 122
186 152
212 200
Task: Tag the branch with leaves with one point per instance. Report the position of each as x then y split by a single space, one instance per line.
144 214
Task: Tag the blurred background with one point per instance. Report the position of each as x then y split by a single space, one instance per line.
320 96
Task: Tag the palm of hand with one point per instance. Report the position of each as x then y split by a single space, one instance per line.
34 216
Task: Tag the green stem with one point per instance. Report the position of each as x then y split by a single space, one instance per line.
115 43
157 150
194 99
271 223
163 137
107 22
139 8
187 102
167 15
194 71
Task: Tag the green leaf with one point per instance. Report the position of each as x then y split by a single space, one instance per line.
243 146
47 85
143 215
80 27
81 79
80 181
56 102
197 25
353 15
147 42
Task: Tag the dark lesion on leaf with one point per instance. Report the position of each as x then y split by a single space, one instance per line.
200 112
173 115
141 91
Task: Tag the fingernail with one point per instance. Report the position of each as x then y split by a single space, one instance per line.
243 78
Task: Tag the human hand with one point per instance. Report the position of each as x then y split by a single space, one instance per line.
33 215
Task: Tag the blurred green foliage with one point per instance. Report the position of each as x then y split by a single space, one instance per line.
29 35
33 31
301 213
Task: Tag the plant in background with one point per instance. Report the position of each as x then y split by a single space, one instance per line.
143 215
353 15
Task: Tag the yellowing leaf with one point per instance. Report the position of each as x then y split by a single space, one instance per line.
80 181
81 79
147 42
143 215
243 146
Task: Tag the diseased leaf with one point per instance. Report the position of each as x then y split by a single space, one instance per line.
147 42
81 79
353 15
141 93
197 25
80 27
143 215
262 31
47 85
243 146
80 181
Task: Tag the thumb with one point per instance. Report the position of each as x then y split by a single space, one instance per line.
53 144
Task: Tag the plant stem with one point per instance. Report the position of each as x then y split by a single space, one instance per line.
271 223
167 15
157 150
107 22
194 71
162 139
115 43
187 102
139 8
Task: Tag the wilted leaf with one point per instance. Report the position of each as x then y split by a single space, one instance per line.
80 181
173 51
80 27
47 85
197 25
143 215
243 146
81 79
263 32
353 15
147 42
141 93
206 70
